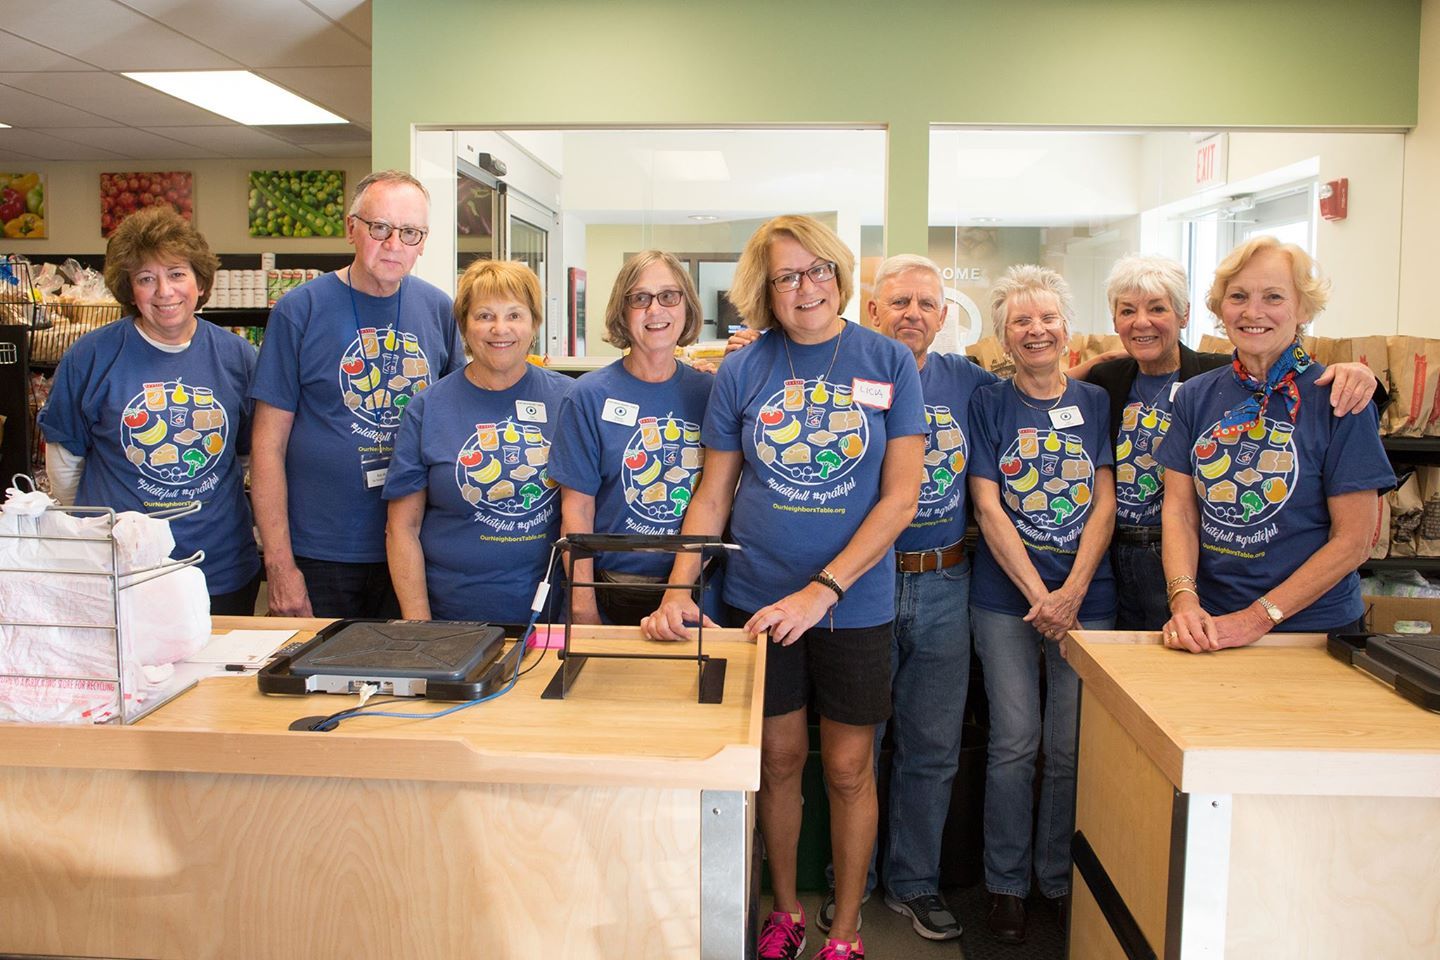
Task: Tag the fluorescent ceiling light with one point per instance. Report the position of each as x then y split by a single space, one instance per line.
238 94
4 126
693 166
703 217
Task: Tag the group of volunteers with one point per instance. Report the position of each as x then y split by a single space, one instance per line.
391 476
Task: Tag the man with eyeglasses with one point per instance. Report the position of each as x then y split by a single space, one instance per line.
930 652
342 356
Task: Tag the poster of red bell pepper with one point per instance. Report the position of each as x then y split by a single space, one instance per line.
121 194
22 206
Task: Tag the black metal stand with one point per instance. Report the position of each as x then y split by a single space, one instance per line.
710 670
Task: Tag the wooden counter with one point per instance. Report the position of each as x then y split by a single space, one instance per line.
519 827
1263 802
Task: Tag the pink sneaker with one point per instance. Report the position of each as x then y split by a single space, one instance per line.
782 938
842 950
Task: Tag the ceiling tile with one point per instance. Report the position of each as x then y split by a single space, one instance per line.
118 98
9 156
232 141
260 33
17 53
140 144
353 15
20 108
111 36
342 90
347 149
45 147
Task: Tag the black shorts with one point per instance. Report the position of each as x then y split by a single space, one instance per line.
846 671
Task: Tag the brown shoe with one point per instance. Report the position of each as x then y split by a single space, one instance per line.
1007 918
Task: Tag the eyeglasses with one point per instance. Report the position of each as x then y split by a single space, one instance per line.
820 273
641 301
380 231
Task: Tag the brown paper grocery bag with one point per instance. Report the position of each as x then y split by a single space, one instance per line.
1431 427
1427 539
1098 343
992 356
1414 390
1375 354
1214 344
1380 539
1406 510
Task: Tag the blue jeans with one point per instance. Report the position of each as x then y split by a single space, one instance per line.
1140 586
930 671
1011 654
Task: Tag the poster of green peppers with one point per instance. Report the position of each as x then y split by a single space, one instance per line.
22 206
297 203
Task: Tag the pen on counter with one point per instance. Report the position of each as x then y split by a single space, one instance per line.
236 667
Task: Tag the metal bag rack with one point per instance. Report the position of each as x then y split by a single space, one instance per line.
106 551
711 670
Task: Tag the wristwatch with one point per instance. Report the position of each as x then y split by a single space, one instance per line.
1272 611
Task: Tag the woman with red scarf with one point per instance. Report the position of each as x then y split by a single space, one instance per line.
1270 502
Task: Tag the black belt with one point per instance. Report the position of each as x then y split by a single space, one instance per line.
1137 536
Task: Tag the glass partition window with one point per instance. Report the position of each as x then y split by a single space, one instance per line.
1077 201
568 201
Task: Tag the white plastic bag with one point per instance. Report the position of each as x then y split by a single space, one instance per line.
58 674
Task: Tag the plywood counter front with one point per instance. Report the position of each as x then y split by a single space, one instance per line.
519 827
1263 802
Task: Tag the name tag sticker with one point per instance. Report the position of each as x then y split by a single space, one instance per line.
1066 417
530 411
618 411
1174 389
872 393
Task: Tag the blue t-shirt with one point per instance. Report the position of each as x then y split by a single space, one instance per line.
1139 478
813 445
946 380
161 430
1046 476
1262 494
491 510
346 364
634 447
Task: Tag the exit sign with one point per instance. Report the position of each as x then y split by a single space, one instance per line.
1211 155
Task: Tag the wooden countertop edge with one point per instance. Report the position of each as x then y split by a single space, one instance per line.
1249 770
299 754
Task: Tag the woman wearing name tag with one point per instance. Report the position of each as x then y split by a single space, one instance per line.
1044 494
822 425
151 412
1270 502
627 448
1150 305
473 511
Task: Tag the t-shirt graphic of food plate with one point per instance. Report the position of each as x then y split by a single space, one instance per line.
811 432
173 432
662 465
504 468
945 453
1137 472
1243 478
379 372
1048 477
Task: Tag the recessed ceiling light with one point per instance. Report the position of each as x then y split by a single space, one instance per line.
703 217
238 94
984 219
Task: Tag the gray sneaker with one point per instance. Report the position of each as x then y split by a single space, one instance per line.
928 914
825 919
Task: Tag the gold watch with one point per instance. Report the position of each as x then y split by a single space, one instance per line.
1272 611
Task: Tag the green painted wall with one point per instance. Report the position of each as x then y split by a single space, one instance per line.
904 64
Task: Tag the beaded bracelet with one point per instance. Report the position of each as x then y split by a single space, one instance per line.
827 579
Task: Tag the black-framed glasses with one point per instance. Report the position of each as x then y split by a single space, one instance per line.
642 300
380 231
820 273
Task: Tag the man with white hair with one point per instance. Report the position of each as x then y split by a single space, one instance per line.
342 356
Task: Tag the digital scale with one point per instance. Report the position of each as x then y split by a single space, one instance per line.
1406 662
435 659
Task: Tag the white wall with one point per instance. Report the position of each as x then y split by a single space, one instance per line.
1420 231
1360 254
221 194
